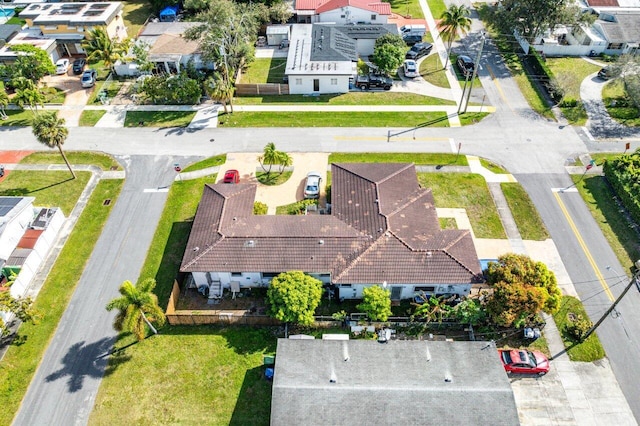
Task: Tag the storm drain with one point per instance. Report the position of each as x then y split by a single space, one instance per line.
106 202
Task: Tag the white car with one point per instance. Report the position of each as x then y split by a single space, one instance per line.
62 66
410 68
312 186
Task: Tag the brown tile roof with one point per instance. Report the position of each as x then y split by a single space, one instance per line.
383 227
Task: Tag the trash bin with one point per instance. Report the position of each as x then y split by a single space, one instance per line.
269 360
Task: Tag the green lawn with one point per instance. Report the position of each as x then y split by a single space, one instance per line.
135 14
51 189
104 161
17 118
431 70
524 212
437 8
598 197
274 178
619 105
264 70
407 8
190 376
158 118
469 118
53 95
216 160
495 168
89 118
470 192
351 98
569 73
588 351
112 88
21 360
335 119
398 157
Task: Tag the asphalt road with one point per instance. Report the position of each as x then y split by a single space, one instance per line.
64 387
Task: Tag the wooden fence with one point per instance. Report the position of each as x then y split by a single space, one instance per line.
261 89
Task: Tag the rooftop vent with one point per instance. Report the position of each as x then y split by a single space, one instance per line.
321 242
250 243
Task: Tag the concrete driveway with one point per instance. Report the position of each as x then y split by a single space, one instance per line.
76 96
289 192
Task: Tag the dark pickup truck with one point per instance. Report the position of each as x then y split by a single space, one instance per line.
366 82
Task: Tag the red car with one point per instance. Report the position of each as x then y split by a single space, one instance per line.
522 361
231 176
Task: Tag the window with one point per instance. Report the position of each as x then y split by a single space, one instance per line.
614 46
50 27
298 81
236 274
426 289
71 27
343 16
334 81
270 275
345 285
373 17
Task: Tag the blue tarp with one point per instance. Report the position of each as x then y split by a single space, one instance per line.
168 14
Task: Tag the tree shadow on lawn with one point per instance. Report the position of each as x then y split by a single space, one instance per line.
18 192
169 268
253 405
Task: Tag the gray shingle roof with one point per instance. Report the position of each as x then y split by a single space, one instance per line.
625 30
396 383
383 227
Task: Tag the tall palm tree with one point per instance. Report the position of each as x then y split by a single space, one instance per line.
270 156
4 101
100 47
51 131
137 306
284 161
453 20
220 90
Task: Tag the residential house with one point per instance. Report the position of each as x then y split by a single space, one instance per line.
32 37
401 382
323 58
68 23
7 32
382 229
342 11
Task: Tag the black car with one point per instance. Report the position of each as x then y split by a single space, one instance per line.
466 65
419 50
410 40
366 82
78 65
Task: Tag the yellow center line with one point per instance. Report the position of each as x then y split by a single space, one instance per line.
586 251
495 81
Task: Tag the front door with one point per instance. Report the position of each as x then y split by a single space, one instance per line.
316 85
396 292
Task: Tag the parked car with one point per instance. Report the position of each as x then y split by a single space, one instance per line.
62 65
231 176
89 78
410 68
412 39
419 50
522 361
312 186
370 81
78 65
465 65
605 73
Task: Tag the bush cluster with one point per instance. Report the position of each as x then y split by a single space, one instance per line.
623 174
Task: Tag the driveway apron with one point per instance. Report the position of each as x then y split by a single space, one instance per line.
64 387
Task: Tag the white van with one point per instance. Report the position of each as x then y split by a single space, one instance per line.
407 30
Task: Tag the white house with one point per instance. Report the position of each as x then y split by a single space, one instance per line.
16 213
383 229
342 11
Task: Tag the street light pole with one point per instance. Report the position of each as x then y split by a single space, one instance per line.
634 280
475 69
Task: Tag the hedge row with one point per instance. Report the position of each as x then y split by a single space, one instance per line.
623 174
543 73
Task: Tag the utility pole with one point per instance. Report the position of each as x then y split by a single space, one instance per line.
475 69
634 280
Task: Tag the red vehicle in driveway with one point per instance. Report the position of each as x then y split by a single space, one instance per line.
522 361
231 176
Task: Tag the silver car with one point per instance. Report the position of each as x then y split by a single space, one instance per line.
312 187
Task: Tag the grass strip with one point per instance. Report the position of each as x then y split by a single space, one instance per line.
424 159
334 119
470 192
524 212
22 357
17 117
158 118
104 161
588 351
89 118
431 69
274 178
50 188
189 375
407 8
351 98
214 161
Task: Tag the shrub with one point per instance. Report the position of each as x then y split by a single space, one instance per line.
172 90
569 103
623 174
577 328
260 208
300 206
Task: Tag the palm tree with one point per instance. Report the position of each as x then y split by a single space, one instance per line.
4 101
220 90
137 306
100 47
270 156
453 20
50 131
285 160
27 94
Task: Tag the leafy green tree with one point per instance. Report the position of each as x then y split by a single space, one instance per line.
433 309
452 21
470 311
387 57
280 12
220 90
293 297
626 68
51 131
140 52
521 288
531 18
376 303
4 102
170 89
100 47
32 63
21 307
137 307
